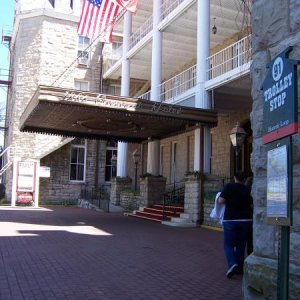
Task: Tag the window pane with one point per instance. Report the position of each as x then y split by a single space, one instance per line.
73 172
80 172
81 155
108 157
73 155
107 173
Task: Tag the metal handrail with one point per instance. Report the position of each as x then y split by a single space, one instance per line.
96 196
172 200
6 158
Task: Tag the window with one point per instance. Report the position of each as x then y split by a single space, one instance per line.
83 53
114 90
81 85
78 160
110 170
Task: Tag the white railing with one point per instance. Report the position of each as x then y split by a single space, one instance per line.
6 158
168 6
146 95
178 84
231 57
141 32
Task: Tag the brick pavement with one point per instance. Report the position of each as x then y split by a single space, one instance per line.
74 253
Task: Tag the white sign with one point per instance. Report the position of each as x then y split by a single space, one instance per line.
26 176
44 172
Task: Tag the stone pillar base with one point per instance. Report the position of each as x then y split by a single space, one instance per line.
192 197
152 190
118 184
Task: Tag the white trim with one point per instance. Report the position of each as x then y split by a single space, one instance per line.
228 76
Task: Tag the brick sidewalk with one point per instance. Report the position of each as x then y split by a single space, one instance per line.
74 253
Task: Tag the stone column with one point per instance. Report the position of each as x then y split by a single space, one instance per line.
192 198
122 162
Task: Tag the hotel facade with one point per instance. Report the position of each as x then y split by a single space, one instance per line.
171 87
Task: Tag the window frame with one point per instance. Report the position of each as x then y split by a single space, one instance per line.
78 146
83 52
114 150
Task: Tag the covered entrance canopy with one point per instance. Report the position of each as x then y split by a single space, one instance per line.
75 113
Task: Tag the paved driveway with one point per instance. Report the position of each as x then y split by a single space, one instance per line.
74 253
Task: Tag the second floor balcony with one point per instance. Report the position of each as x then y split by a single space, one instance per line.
224 66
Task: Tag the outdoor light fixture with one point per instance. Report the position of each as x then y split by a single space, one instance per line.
237 137
214 28
136 156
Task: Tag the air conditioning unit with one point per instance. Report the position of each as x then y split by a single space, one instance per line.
83 61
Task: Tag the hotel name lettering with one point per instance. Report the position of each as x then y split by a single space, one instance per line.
103 101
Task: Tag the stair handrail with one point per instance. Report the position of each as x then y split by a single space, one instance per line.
175 196
6 158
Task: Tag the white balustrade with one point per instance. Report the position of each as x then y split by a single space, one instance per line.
229 58
178 84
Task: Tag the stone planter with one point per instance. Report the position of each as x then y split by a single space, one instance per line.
117 186
129 201
152 190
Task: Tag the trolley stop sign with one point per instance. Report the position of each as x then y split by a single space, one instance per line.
280 98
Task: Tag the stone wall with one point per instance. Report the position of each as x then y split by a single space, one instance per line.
43 47
275 24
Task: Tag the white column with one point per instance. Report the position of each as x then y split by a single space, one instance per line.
37 183
156 52
197 151
202 97
153 158
14 182
122 162
154 146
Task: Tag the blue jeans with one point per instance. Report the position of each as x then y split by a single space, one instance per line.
236 234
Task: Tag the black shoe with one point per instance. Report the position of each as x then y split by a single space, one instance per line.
231 271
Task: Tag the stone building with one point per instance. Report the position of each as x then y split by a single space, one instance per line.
275 25
186 56
194 54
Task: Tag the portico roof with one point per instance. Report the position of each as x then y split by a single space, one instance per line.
74 113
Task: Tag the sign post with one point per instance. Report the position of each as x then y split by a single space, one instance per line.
280 123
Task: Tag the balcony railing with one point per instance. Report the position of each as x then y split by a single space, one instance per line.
234 56
231 57
141 32
178 84
168 6
146 95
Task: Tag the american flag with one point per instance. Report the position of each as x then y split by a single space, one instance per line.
97 19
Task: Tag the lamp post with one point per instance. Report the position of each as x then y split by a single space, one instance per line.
136 156
113 161
237 136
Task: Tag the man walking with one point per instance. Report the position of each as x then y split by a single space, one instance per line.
237 222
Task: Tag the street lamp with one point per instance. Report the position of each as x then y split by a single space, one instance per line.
136 156
113 161
237 136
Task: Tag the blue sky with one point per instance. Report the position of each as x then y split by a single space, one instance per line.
6 20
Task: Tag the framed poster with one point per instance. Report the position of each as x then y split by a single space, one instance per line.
278 183
26 176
